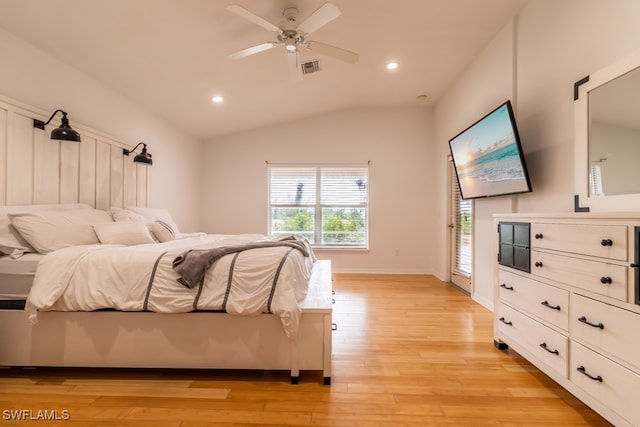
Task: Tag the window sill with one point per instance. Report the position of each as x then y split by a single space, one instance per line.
340 249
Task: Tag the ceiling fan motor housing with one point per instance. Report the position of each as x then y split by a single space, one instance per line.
291 39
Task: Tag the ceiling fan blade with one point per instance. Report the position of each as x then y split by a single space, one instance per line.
250 16
322 16
251 50
294 66
336 52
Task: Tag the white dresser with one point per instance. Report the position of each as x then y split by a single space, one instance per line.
574 315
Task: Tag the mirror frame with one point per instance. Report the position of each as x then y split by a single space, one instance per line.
622 202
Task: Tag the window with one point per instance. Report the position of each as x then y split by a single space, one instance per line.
328 205
595 181
463 239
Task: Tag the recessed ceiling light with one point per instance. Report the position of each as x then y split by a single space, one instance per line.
217 99
392 65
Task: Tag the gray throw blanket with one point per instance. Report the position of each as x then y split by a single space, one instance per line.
193 264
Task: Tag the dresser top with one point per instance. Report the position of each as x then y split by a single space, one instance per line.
631 215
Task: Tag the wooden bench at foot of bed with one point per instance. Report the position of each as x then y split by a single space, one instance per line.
198 340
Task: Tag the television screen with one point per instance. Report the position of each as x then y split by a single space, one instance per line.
488 157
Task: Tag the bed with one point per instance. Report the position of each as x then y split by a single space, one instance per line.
140 305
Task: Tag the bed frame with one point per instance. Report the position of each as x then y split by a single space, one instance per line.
199 340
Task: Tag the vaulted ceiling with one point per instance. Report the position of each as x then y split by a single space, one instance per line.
172 56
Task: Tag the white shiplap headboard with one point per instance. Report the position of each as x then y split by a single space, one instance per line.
37 170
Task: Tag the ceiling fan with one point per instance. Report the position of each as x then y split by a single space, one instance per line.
293 36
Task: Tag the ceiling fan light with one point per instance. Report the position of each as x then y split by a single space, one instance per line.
290 44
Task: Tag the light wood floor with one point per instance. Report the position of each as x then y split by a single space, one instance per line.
408 351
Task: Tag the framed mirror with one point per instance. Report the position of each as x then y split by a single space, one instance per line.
607 137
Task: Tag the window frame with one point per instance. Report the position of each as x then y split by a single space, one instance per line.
318 206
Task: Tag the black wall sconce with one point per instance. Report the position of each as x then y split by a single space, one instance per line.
142 158
64 132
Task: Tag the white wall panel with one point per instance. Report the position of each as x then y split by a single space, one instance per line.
129 181
87 171
141 183
46 168
3 154
103 179
36 169
117 178
20 160
69 172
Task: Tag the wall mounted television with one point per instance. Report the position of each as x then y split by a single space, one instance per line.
488 157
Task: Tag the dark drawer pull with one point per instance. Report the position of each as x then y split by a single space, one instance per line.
538 264
606 242
538 236
506 322
583 371
584 320
606 280
509 288
546 304
544 346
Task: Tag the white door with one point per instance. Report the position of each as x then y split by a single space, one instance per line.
461 229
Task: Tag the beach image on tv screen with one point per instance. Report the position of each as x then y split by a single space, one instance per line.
487 158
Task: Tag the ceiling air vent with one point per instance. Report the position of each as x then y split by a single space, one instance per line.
310 67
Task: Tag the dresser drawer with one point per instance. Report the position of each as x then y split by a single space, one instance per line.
608 382
606 241
549 346
599 277
547 302
618 335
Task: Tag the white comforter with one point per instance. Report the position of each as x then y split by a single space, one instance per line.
137 278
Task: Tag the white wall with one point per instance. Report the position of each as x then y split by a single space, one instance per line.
31 76
395 141
579 38
485 84
556 43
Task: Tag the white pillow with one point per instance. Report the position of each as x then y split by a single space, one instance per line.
123 233
162 231
11 242
155 214
119 214
48 231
